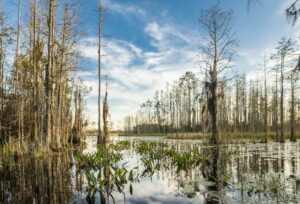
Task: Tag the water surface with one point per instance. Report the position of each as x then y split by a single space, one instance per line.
232 173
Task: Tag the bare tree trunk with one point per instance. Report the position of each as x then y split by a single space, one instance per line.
17 69
293 138
281 104
99 139
276 107
105 121
266 104
1 71
214 94
34 46
214 106
49 74
189 110
237 109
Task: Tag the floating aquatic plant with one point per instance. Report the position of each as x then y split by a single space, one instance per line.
105 174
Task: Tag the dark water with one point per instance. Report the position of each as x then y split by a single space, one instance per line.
237 173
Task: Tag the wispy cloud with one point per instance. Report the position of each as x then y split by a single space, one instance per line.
167 35
126 10
134 73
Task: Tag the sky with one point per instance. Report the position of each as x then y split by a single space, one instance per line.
152 42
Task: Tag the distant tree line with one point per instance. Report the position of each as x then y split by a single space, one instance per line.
41 98
243 106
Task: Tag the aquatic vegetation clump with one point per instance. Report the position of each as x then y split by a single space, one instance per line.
155 153
105 174
120 145
187 160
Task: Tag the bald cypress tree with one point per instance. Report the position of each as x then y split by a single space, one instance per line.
217 55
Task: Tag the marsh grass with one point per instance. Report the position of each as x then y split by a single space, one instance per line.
124 134
230 137
13 148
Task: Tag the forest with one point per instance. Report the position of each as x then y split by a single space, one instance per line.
226 131
41 94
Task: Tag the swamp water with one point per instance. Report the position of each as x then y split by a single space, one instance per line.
154 170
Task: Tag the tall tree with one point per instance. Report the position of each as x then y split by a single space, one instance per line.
2 58
48 73
188 82
284 49
217 54
293 79
17 67
266 102
100 31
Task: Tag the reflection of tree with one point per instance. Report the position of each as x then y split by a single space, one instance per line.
36 179
257 173
210 172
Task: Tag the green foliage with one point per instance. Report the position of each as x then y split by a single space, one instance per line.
120 145
153 153
104 172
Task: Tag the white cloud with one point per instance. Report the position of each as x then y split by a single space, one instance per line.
166 36
125 9
135 74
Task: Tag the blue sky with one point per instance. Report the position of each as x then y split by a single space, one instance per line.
154 41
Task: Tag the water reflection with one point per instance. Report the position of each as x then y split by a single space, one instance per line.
39 180
237 173
210 171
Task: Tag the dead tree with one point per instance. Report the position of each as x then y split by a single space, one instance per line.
105 120
100 28
217 56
